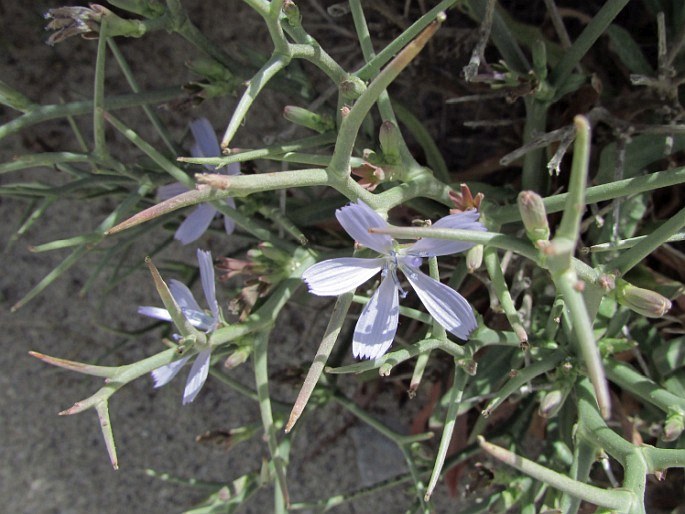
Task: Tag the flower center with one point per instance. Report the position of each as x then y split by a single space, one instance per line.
391 265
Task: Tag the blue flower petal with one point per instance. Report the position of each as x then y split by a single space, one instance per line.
377 323
195 224
164 374
447 307
206 142
337 276
184 298
207 278
154 312
197 376
357 219
429 247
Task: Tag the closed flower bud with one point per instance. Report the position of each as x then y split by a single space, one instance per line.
292 13
551 403
352 87
643 301
474 258
391 142
674 426
237 358
308 119
210 69
533 215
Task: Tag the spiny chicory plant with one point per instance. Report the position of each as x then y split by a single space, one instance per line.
560 329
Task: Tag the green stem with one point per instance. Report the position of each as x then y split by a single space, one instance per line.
51 112
270 152
534 173
595 194
261 371
164 163
46 159
339 167
627 378
342 305
494 267
149 112
521 377
615 499
592 32
631 258
100 151
456 392
256 84
373 67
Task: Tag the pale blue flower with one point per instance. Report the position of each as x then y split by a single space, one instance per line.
199 318
198 221
377 323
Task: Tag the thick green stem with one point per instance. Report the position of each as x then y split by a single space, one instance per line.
595 194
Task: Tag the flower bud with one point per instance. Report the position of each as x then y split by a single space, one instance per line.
391 142
674 426
292 13
305 118
352 87
551 403
474 258
533 215
237 358
643 301
210 69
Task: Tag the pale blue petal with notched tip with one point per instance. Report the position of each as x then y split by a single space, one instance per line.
164 374
337 276
377 323
447 307
430 247
357 219
204 258
197 376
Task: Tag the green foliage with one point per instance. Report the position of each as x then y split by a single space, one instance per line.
555 325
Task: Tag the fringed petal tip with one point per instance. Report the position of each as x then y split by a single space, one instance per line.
154 312
377 324
447 307
197 376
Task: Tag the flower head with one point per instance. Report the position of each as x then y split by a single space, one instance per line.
377 323
199 318
197 222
